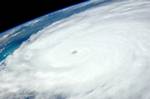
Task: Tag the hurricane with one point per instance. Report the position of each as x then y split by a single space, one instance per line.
101 52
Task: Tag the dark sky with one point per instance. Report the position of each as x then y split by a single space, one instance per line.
15 12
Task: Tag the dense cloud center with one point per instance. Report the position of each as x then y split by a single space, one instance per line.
99 53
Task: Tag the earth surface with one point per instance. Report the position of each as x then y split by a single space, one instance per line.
99 49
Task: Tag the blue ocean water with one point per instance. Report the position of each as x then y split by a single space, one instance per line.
16 36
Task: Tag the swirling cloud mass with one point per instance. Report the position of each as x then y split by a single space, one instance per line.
101 53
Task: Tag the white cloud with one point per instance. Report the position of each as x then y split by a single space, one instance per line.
102 53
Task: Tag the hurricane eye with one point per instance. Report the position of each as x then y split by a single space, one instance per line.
74 52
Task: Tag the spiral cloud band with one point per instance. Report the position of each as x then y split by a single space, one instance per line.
101 53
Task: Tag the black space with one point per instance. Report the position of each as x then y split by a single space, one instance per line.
15 12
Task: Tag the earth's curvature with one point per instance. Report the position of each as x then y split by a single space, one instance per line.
99 49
